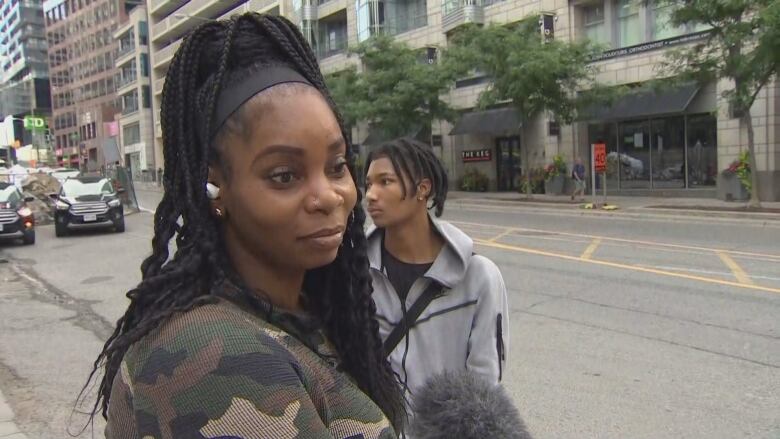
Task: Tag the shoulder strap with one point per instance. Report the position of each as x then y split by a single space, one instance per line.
406 323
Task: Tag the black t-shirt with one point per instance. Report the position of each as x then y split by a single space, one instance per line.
402 275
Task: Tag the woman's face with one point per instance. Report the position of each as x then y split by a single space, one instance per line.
284 185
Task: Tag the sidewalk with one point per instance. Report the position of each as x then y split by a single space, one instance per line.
770 210
8 428
144 186
636 204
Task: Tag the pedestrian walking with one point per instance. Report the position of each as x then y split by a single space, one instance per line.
261 323
578 174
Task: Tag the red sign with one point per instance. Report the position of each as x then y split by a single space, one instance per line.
478 155
600 157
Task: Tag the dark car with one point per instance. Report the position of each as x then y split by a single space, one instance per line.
16 219
87 203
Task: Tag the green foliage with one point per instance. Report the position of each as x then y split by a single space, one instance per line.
556 168
743 47
396 91
474 181
741 168
343 88
534 184
534 76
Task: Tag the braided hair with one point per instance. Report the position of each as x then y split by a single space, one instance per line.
211 56
415 160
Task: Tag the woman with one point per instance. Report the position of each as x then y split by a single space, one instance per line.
440 306
262 323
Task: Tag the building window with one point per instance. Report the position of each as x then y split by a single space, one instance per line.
146 97
662 23
370 18
390 17
333 37
130 102
628 29
661 153
143 33
144 65
131 134
594 24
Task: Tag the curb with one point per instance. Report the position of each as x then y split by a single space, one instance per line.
638 209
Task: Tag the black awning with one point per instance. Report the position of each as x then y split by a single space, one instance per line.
496 122
645 102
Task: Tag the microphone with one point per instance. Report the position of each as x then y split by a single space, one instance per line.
465 406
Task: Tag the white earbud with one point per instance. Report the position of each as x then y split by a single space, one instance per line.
212 191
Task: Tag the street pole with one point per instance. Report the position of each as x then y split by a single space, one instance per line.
32 127
593 193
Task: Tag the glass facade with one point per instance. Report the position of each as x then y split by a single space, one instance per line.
671 152
390 17
332 37
624 23
508 163
595 26
628 29
662 27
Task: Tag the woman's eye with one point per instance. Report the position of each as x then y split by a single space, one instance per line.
282 177
340 168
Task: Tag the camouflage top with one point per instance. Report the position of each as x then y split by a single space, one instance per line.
222 371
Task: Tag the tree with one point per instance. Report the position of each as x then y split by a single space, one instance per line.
397 90
531 74
343 87
742 47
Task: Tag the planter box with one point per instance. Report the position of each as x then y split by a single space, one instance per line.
731 189
554 186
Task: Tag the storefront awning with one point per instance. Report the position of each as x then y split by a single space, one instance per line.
645 102
496 122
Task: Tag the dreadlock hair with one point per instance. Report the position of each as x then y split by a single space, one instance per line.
339 294
415 160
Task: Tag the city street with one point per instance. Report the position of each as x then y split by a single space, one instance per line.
623 325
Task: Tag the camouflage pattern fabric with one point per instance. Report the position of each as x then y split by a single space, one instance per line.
222 371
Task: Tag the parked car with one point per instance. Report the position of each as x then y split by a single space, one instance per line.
16 219
62 174
87 203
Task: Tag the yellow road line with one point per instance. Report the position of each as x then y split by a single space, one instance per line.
634 241
500 235
626 267
739 273
591 248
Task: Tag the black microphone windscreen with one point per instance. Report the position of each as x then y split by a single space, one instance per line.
465 406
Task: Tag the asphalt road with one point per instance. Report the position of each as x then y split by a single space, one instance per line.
622 326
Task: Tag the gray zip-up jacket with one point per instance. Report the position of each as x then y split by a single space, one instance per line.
465 328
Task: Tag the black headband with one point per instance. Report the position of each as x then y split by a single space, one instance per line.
233 96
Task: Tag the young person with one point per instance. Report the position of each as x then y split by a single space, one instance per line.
440 306
261 324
